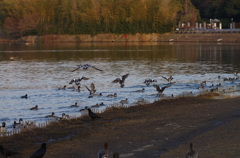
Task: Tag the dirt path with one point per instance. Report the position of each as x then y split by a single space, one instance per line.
162 129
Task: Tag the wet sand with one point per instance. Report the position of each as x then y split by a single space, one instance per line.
161 129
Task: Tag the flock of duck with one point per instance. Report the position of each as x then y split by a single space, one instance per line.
92 92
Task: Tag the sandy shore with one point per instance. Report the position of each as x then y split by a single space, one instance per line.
162 129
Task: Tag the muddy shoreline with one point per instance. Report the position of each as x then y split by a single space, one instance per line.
161 129
154 37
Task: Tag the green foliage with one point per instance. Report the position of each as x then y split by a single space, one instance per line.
41 17
218 9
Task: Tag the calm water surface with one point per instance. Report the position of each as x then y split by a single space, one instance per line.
44 68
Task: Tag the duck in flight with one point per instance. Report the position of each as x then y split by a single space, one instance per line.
160 90
85 67
92 90
78 80
149 81
168 79
121 81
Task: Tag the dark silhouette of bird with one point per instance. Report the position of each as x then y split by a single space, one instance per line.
112 95
168 79
39 153
149 81
92 114
121 81
34 108
124 101
52 115
192 153
25 96
75 105
142 90
160 90
104 152
85 67
78 80
20 123
92 90
3 128
116 155
7 152
63 88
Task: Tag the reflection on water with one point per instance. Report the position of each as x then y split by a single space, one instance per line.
43 68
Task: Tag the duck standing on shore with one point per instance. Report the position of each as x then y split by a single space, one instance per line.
104 152
121 81
192 153
39 153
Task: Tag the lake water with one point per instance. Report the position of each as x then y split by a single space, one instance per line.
43 68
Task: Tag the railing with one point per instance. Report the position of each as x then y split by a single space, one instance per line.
208 31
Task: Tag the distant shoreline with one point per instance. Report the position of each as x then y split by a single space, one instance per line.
154 37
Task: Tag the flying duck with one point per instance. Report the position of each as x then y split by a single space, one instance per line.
149 81
39 153
121 81
160 90
168 79
92 91
78 80
85 67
